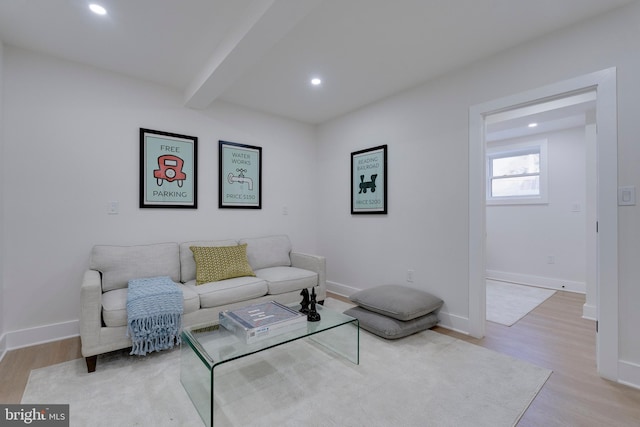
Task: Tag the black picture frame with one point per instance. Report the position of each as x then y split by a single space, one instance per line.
240 176
168 170
369 181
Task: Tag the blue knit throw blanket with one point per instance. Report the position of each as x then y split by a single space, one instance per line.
154 310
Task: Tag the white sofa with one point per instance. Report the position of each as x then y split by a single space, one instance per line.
281 274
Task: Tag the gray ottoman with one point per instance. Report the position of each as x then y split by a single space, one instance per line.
394 311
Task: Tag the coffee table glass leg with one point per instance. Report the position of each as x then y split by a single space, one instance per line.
196 379
343 340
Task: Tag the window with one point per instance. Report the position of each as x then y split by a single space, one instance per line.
516 173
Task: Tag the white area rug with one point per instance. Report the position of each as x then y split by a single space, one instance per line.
427 379
507 302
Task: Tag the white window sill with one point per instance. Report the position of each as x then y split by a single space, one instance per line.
518 201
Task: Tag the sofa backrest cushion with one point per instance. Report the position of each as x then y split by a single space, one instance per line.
188 262
271 251
119 264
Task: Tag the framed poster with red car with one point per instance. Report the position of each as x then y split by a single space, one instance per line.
168 170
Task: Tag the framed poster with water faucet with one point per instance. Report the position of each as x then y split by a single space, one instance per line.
240 180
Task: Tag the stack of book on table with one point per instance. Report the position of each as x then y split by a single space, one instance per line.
259 321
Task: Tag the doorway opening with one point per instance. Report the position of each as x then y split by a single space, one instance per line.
603 85
541 199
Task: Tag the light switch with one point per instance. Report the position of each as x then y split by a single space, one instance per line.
627 196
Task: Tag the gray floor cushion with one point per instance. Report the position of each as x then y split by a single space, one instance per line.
397 301
388 327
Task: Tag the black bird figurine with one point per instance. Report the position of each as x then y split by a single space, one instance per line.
313 315
305 301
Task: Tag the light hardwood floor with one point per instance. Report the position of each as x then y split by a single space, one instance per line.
553 336
17 364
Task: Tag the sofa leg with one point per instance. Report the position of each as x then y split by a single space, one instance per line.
91 363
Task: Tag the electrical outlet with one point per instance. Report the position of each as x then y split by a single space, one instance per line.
113 208
410 275
551 259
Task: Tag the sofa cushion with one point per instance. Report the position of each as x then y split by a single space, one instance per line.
228 291
286 279
390 328
119 264
114 305
272 251
188 262
191 301
218 263
397 301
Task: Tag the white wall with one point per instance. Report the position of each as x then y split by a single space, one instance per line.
521 238
427 132
72 145
425 229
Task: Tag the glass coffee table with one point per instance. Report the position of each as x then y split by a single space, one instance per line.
205 350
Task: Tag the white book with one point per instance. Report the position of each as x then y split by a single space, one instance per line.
259 321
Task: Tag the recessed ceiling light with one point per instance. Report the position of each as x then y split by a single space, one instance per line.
97 9
532 125
316 81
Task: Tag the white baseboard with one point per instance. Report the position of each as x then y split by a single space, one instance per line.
3 346
629 374
42 334
453 322
589 312
340 289
539 281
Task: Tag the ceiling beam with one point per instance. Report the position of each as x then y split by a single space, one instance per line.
262 26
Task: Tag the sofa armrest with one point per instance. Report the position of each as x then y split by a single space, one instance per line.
91 310
313 263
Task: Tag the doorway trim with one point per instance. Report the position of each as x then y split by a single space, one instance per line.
604 82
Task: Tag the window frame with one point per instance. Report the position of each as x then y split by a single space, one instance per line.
502 150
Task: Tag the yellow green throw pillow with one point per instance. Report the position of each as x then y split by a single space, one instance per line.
215 263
